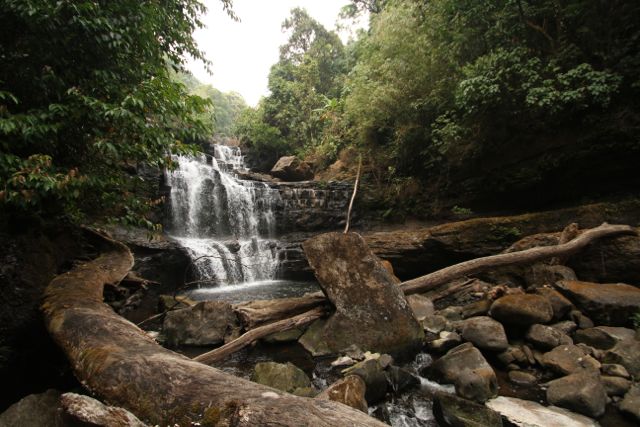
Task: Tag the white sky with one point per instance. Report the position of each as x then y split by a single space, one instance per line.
243 52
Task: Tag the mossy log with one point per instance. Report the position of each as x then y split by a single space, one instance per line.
118 362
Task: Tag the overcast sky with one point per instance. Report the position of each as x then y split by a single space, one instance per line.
243 52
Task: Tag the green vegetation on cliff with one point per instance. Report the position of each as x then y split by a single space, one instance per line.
475 102
86 95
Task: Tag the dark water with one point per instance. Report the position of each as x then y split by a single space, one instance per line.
265 289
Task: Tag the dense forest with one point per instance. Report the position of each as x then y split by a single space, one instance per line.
488 104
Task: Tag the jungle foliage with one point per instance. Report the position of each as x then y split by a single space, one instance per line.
86 95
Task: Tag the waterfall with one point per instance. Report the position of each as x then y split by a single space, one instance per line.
224 222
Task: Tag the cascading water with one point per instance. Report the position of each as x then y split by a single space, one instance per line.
225 223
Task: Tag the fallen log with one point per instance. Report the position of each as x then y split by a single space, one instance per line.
440 277
259 312
118 362
260 332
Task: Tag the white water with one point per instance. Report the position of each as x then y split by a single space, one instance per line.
225 223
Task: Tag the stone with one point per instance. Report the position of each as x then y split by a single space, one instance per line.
400 379
526 413
614 370
168 302
522 378
343 361
446 342
522 309
560 305
567 359
373 375
435 324
349 390
286 377
485 333
631 402
610 304
34 410
627 354
581 392
421 306
313 341
615 386
371 310
206 323
580 319
84 410
284 336
546 337
513 354
451 410
603 337
290 168
478 308
611 260
466 368
451 313
567 327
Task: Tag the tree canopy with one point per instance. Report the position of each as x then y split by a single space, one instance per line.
86 94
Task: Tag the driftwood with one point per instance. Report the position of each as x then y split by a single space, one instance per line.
437 278
118 362
259 312
260 332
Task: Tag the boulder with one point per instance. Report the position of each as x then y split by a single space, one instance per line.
581 392
603 337
615 386
206 323
451 410
580 319
522 378
522 309
282 376
478 308
290 168
436 324
614 370
610 304
371 310
513 354
560 305
627 354
568 359
567 327
373 375
400 379
466 368
421 306
349 390
34 410
631 402
83 410
485 333
445 342
531 414
546 337
313 340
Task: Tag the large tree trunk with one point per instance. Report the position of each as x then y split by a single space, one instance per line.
118 362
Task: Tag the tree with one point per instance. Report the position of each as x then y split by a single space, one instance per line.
85 94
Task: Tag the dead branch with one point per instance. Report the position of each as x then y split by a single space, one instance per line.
260 332
353 196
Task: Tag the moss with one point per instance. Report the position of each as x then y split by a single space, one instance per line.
211 417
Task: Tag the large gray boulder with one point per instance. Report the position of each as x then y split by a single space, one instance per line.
371 310
485 333
206 323
290 168
466 368
522 309
582 392
610 304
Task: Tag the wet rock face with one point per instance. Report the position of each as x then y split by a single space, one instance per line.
606 304
206 323
522 309
371 310
582 392
466 368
